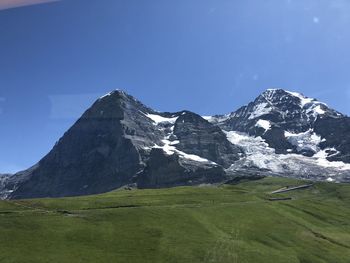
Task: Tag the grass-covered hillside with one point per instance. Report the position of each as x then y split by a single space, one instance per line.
187 224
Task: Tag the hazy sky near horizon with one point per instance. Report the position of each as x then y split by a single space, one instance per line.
207 56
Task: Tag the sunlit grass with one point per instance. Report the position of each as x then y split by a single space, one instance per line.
186 224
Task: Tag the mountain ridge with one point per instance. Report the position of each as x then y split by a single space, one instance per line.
119 141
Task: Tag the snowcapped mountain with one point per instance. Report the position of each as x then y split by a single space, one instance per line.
289 134
286 120
276 108
119 141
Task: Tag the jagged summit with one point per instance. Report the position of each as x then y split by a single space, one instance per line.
291 110
281 99
118 93
279 96
276 94
287 101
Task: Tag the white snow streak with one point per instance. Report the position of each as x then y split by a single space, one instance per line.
168 146
259 110
303 100
266 125
159 119
170 149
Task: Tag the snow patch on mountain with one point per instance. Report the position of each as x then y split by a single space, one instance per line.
170 141
303 100
170 149
319 110
266 125
260 110
106 95
324 154
305 141
260 155
159 119
208 118
315 110
216 119
310 105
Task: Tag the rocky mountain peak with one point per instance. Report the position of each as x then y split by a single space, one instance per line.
281 95
121 99
281 100
119 140
293 102
288 110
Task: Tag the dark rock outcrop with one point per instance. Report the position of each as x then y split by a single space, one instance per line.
336 134
199 137
166 171
94 155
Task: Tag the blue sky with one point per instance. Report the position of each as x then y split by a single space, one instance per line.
207 56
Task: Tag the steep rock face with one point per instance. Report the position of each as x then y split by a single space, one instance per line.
336 135
94 155
199 137
189 153
275 137
169 170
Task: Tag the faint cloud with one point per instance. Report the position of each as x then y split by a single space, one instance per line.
255 77
316 20
7 4
69 106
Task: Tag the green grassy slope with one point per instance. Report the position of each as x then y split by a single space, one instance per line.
186 224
